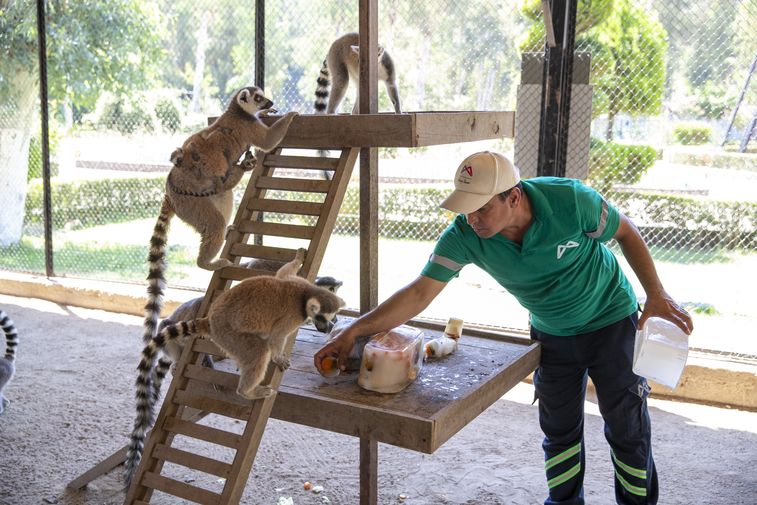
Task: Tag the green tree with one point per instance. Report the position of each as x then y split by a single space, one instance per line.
628 49
92 46
634 46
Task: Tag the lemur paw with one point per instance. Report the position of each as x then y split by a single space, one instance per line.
282 362
267 112
249 162
300 254
257 393
215 265
229 229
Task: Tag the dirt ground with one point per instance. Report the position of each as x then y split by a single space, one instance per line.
72 405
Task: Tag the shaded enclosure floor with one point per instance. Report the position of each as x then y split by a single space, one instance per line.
72 405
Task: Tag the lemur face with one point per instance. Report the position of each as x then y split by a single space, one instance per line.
325 322
252 100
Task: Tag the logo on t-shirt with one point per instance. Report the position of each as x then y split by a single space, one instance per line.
561 248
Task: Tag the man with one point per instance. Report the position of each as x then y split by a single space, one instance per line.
542 239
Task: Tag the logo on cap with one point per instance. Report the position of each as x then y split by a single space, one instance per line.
468 170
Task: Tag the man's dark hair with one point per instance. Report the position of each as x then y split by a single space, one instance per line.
503 196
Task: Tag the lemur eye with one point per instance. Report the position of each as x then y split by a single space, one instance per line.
258 98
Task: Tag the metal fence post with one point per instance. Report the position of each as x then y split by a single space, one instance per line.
45 141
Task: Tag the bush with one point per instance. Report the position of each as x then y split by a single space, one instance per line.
611 163
692 134
407 212
168 114
124 115
688 221
95 202
712 159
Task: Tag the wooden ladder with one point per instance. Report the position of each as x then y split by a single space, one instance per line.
196 391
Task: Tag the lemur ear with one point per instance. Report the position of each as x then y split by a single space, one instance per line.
177 156
244 96
355 49
312 307
380 52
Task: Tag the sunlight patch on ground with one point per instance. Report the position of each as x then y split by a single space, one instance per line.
706 416
33 303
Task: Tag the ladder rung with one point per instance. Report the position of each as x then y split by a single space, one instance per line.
292 184
241 412
193 461
206 346
182 490
242 273
312 162
286 206
202 432
278 229
211 376
281 254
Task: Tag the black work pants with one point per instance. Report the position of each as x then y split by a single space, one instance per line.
560 381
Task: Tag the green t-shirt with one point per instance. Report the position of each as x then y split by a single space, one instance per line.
562 273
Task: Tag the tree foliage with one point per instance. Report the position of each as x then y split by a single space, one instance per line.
628 49
92 46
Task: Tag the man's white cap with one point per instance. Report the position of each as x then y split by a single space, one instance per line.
479 177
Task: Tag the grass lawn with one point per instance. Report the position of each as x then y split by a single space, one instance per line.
714 285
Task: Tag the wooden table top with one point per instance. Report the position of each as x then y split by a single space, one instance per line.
448 393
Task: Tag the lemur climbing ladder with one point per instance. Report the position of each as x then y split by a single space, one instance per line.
196 391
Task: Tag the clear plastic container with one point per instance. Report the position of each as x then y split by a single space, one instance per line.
391 360
660 352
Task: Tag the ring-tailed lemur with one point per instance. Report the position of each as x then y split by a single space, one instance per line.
7 363
198 187
190 309
342 65
250 322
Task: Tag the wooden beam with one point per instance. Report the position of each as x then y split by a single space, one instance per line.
409 129
368 471
368 104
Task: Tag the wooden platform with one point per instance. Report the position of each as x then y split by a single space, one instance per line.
448 394
411 129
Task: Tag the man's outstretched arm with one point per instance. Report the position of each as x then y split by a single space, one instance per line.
659 303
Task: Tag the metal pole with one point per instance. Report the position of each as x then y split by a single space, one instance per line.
259 73
45 141
738 102
260 44
556 86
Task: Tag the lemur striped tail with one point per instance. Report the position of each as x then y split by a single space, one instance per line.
322 90
11 336
156 280
145 398
321 102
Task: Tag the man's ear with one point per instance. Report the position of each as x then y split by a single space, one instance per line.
515 196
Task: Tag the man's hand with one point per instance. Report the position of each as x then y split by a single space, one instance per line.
339 347
663 305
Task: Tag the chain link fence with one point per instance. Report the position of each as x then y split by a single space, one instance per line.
663 124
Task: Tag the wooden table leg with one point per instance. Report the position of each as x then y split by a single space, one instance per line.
368 471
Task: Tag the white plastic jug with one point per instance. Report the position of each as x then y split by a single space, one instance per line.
660 352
